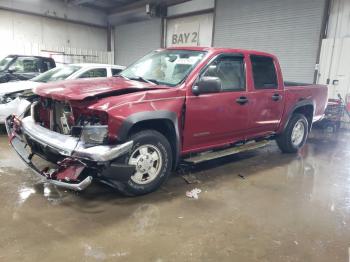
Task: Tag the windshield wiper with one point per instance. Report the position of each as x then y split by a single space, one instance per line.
140 78
153 81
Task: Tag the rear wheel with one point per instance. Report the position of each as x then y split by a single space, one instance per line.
294 135
152 157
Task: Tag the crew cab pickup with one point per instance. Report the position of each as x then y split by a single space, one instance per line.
175 104
19 67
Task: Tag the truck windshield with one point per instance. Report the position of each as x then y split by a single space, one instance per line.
166 67
5 62
56 74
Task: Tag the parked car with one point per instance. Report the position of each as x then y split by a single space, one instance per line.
11 92
131 131
19 67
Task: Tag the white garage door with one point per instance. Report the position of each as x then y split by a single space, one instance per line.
132 41
288 28
190 31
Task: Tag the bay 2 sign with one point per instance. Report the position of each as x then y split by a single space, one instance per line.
190 31
186 34
185 38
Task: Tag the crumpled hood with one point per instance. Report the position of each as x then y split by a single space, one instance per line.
91 87
16 86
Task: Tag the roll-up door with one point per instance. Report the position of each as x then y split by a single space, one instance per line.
132 41
289 29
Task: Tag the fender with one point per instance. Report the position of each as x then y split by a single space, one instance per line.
133 119
302 102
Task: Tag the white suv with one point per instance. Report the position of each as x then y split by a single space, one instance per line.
10 92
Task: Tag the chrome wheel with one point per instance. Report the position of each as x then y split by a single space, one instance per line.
147 160
298 133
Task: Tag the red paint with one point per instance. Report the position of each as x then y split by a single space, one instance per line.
211 120
68 170
80 89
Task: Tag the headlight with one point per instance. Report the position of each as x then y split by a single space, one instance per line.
7 98
94 135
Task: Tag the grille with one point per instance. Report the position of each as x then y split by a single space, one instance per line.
55 115
62 115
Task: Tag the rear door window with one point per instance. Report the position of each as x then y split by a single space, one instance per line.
116 71
97 72
47 64
264 72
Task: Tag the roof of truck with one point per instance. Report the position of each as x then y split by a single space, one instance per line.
221 49
96 65
34 56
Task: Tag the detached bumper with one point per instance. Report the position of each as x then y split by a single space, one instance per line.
23 133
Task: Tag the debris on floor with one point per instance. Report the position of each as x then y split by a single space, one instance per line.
193 193
241 176
191 179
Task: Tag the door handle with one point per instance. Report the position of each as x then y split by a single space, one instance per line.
242 100
276 97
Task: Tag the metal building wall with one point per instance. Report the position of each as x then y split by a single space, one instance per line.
339 19
289 29
133 41
335 53
31 34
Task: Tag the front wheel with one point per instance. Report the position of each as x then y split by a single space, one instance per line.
152 157
295 134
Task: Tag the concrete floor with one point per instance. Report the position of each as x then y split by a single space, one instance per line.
281 208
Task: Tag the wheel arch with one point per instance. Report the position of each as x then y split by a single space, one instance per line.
305 107
165 122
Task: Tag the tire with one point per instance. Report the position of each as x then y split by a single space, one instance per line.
289 144
2 129
155 144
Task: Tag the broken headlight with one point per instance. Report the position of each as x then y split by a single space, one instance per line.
7 98
94 135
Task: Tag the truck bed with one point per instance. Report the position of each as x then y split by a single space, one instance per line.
292 84
296 92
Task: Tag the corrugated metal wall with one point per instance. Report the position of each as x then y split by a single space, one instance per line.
289 29
133 41
29 34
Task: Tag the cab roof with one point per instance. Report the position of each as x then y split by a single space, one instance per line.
221 50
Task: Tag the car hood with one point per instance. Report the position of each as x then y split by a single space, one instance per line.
17 86
89 88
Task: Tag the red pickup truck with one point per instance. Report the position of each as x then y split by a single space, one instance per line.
193 104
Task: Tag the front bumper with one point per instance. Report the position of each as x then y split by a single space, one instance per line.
23 133
71 146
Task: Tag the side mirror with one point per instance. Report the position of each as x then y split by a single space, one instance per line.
207 85
11 69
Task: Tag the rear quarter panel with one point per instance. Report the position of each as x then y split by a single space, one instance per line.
295 95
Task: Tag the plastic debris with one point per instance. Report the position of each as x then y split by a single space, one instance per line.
241 176
193 193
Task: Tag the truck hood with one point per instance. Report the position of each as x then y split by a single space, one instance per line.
17 86
93 87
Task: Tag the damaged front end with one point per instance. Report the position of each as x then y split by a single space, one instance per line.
80 153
